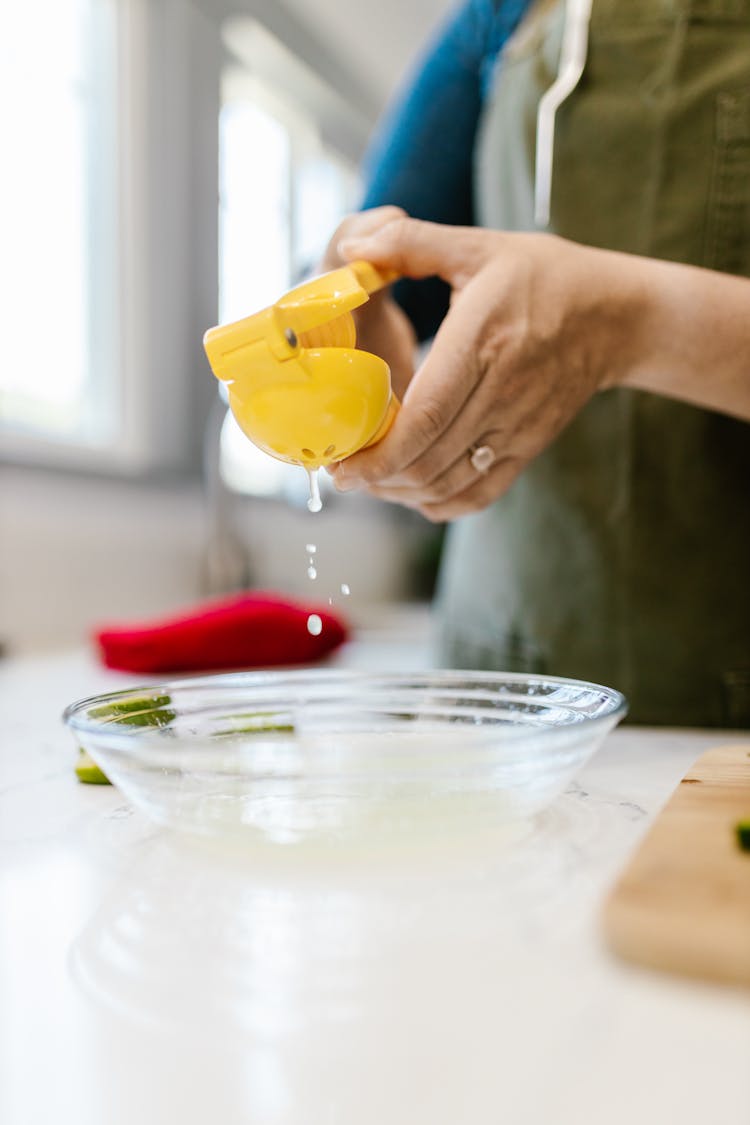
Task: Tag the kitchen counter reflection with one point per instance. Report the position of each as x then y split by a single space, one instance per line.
154 978
361 966
288 946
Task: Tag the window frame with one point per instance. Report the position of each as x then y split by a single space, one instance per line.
165 245
170 57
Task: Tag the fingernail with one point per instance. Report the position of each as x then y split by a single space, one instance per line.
349 247
343 483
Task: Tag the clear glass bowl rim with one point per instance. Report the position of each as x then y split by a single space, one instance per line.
76 714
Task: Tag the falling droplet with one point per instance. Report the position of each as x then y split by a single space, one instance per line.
312 573
314 504
310 548
345 590
314 625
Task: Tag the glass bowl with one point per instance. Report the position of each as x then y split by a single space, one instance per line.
292 757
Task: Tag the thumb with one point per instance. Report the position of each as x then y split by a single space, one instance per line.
414 248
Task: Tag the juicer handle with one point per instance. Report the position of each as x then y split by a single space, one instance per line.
370 277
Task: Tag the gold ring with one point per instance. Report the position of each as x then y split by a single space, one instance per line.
482 458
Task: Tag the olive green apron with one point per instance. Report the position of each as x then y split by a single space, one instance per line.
622 554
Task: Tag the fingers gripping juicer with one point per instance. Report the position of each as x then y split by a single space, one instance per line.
298 386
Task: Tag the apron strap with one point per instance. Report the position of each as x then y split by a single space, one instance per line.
572 61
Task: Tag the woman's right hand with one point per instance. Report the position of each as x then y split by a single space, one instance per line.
382 327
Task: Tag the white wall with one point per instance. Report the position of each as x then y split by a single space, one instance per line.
365 46
76 553
378 40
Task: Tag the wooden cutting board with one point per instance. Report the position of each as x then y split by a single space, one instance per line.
683 902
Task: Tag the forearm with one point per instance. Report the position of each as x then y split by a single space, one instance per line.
689 333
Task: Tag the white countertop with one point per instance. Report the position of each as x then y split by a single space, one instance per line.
148 979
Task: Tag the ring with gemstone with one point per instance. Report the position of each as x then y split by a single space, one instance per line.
482 457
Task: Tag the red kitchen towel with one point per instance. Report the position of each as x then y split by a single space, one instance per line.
252 630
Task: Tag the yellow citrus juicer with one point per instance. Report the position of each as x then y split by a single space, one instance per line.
298 386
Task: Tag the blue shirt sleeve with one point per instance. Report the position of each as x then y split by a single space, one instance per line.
421 156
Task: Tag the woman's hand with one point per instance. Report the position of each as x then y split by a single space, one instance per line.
536 326
382 327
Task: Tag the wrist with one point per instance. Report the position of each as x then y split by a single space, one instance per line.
625 313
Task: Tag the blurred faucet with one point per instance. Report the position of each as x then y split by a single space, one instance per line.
226 564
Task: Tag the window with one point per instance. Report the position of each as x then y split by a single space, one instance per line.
112 115
57 220
108 210
255 186
284 187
